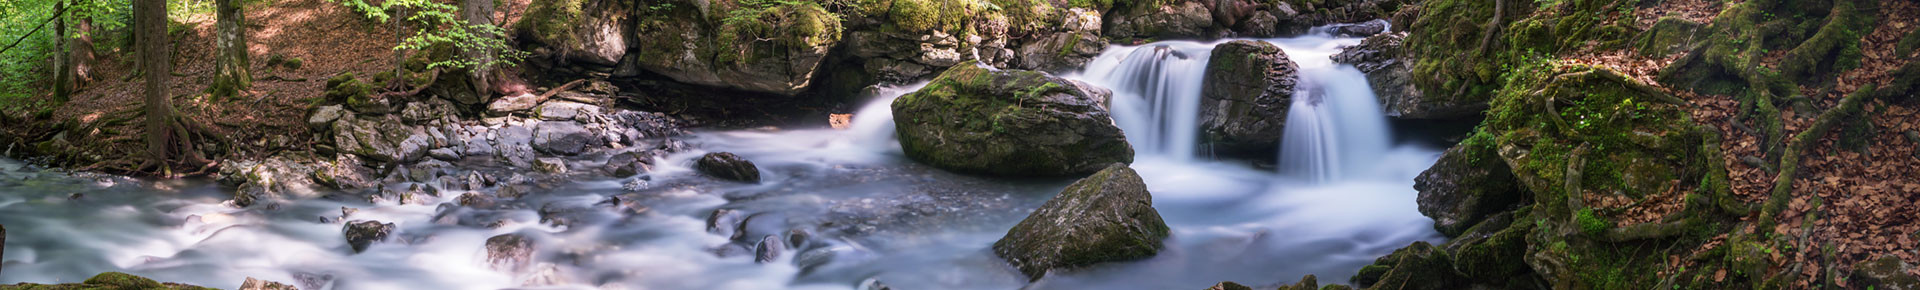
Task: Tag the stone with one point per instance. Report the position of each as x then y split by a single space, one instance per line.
726 222
321 120
361 234
1469 183
381 139
682 44
257 284
1308 282
1229 286
1886 272
550 165
976 119
725 165
566 111
564 138
428 110
1162 20
444 154
628 164
1389 72
1248 88
1106 217
509 252
769 249
512 104
112 280
474 200
1417 266
1362 29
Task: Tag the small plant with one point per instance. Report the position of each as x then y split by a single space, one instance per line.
438 23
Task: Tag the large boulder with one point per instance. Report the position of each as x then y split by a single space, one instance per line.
1106 217
1417 266
978 119
361 234
776 49
381 139
1244 100
1069 49
1382 57
1466 185
564 138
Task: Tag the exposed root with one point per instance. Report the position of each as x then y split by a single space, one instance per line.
1790 161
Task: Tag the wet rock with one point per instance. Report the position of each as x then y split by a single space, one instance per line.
444 154
257 284
1306 283
635 184
1070 49
797 238
550 165
1244 100
271 179
873 284
566 111
563 138
724 165
1363 29
1487 253
512 104
1106 217
1389 72
726 222
474 200
514 145
1417 266
628 164
361 234
769 249
976 119
544 274
1467 184
509 252
112 280
1887 272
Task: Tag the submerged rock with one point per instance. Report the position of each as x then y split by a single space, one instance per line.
1249 87
361 234
1467 184
725 165
977 119
1106 217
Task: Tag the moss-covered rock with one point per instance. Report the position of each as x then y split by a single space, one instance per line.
1469 183
108 281
1668 35
1887 272
1247 90
1106 217
1417 266
761 46
1492 253
977 119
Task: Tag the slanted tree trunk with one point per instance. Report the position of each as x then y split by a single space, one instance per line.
478 13
62 62
150 31
231 75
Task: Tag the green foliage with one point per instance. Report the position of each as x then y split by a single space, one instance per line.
436 23
784 23
1592 224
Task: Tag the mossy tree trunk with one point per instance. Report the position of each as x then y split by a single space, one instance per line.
231 74
479 13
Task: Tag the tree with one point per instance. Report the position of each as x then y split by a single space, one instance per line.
62 61
479 13
150 35
231 75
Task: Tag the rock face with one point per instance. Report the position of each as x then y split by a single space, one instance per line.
1244 100
1106 217
1466 185
1382 57
727 166
361 234
976 119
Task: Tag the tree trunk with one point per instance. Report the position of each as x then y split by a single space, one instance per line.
150 31
478 13
80 52
62 63
230 62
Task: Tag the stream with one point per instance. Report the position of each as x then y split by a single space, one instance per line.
852 209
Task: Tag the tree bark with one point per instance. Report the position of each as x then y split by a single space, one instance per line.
62 63
150 30
230 63
80 52
478 13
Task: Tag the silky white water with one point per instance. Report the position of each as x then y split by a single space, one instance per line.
873 214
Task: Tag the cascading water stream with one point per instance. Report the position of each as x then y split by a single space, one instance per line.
1156 94
1334 129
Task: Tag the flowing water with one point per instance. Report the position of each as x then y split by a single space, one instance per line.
1342 197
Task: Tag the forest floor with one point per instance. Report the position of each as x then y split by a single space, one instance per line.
1848 206
104 120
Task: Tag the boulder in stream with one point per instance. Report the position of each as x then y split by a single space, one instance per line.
1244 100
509 252
361 234
257 284
563 138
977 119
1106 217
1469 183
725 165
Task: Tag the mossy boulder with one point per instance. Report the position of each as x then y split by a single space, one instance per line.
362 234
1248 88
1417 266
1493 252
771 47
1886 272
1106 217
1383 57
380 138
1469 183
978 119
1668 35
587 31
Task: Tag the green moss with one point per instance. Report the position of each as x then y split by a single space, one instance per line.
552 22
1592 224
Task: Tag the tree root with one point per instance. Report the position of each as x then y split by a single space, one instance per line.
1648 231
1715 183
1576 197
1493 28
1790 160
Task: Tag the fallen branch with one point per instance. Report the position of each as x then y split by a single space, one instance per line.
562 88
36 29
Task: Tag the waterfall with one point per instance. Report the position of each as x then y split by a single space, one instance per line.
1334 130
1156 94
